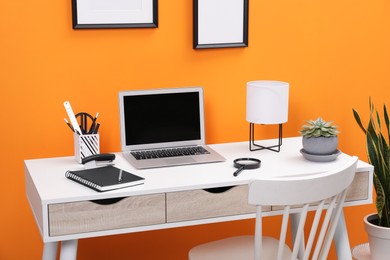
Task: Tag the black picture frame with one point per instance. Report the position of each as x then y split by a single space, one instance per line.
84 17
220 23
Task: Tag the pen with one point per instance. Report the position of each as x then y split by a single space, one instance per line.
66 121
93 125
96 128
120 176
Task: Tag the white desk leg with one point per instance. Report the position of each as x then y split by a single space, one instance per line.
69 249
294 220
341 240
50 251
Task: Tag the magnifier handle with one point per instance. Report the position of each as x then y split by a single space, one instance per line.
236 173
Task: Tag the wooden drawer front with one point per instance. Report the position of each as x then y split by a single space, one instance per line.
87 216
199 204
359 187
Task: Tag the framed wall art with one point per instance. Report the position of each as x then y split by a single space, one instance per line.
220 23
114 14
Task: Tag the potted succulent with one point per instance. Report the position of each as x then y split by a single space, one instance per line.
319 137
378 151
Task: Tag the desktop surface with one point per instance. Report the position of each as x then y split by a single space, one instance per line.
288 162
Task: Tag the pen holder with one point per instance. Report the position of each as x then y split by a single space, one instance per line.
86 145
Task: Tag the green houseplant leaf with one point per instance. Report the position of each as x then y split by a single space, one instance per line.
377 142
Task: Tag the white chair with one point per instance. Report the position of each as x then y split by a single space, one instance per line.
321 192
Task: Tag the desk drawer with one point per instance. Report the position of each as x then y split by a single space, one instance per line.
88 216
358 190
200 204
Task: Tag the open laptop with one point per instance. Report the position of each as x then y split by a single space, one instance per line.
164 127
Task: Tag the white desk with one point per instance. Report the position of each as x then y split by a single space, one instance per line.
170 197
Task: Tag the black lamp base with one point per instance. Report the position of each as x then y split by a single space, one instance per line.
256 147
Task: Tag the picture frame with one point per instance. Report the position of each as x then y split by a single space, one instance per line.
220 23
90 14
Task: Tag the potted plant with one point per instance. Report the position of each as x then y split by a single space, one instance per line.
319 137
378 151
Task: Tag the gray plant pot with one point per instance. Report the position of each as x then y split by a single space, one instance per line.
320 145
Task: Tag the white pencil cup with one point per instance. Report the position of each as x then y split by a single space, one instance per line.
86 145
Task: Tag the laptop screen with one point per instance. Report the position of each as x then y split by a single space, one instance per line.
161 118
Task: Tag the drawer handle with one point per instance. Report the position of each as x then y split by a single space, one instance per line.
219 189
107 201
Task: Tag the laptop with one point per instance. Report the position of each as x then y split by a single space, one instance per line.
164 127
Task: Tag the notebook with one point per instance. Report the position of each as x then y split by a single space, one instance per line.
105 178
164 127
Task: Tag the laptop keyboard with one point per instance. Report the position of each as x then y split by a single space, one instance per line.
170 152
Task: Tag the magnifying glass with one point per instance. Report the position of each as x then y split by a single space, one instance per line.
245 164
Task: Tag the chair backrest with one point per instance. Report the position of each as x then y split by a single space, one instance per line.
318 192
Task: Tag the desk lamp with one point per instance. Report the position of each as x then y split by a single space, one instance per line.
266 104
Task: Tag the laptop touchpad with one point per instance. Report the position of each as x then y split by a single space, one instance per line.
179 160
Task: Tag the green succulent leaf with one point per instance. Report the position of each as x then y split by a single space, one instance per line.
318 128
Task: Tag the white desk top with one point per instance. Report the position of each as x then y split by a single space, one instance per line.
49 178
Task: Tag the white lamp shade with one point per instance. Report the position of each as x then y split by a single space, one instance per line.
267 102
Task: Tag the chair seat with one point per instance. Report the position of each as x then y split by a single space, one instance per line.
237 248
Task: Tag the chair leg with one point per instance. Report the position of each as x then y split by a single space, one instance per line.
341 239
294 220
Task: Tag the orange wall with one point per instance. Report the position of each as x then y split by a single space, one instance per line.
333 53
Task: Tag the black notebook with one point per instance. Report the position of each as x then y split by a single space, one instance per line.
105 178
